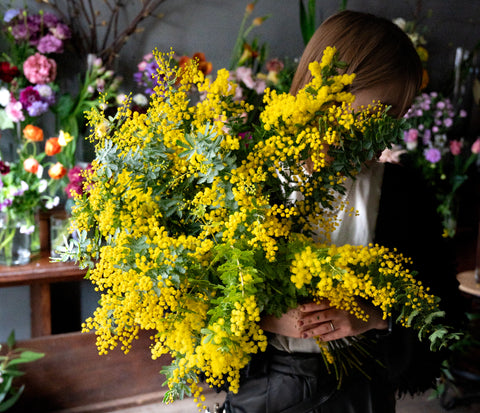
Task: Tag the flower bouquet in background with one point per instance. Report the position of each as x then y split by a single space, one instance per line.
23 191
250 70
444 160
192 232
27 72
71 108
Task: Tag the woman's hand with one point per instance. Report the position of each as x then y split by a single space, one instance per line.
323 321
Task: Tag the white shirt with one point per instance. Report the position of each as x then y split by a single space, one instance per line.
363 195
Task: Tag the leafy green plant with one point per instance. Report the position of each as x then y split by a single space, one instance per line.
9 370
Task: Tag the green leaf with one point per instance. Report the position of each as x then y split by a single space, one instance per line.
5 121
5 405
27 356
11 339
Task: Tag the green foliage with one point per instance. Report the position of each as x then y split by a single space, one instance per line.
9 370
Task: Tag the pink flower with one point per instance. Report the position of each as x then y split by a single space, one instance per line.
456 147
391 155
476 146
411 135
411 138
39 69
14 111
245 75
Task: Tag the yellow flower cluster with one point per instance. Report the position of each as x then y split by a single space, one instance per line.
191 230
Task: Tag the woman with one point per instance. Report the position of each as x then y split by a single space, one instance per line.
291 376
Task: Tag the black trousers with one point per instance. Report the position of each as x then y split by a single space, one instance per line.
300 383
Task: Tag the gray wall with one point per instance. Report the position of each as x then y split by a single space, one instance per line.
211 26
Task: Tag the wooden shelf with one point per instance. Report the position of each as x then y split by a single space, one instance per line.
39 274
40 270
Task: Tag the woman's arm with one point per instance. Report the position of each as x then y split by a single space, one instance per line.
323 321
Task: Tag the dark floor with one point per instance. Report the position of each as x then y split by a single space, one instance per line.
421 404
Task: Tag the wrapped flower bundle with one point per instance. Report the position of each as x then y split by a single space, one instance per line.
191 231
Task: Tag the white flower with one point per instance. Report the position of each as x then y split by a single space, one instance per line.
52 203
120 98
400 22
412 145
42 185
4 96
40 172
140 99
24 229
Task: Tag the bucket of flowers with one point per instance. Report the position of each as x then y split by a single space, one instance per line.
189 229
23 192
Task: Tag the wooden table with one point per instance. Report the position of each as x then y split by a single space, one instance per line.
468 284
39 274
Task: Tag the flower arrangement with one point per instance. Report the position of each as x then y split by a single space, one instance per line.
190 230
27 73
71 108
23 189
445 160
250 70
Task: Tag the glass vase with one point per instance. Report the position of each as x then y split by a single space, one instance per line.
15 240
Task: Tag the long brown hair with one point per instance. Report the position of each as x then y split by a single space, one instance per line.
375 49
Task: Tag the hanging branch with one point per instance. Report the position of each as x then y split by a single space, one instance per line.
85 21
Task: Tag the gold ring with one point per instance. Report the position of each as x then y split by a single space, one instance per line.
331 325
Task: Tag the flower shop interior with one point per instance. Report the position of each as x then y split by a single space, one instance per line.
61 60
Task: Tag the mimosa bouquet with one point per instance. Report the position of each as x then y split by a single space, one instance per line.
190 230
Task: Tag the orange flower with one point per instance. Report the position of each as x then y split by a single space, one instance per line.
33 133
52 147
31 165
204 65
57 171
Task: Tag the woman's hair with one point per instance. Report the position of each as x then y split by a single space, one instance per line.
374 48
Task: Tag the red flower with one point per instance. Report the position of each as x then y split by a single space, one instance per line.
57 171
31 165
8 72
52 147
4 168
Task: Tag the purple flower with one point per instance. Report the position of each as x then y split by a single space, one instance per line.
427 137
20 32
46 93
28 96
448 122
432 155
61 31
50 20
10 15
5 204
37 108
50 44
